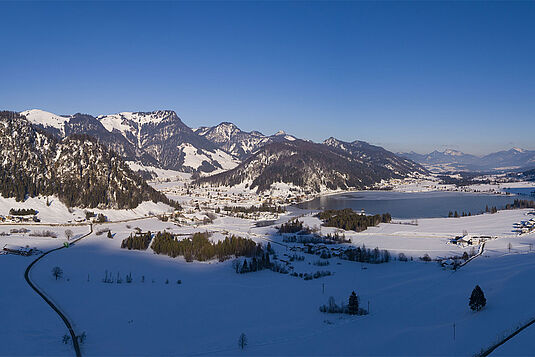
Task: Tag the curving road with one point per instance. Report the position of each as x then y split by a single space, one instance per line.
48 301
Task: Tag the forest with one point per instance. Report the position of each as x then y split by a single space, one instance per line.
200 247
138 241
349 220
253 209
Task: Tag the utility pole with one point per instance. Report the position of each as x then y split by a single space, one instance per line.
368 306
454 331
323 288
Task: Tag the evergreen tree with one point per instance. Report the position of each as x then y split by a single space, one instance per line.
353 306
477 299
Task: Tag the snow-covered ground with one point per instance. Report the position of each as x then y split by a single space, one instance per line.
29 327
413 304
56 212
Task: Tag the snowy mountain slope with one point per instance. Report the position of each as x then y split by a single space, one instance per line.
78 169
158 138
316 167
376 155
237 142
46 119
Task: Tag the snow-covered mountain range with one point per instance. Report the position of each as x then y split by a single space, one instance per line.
453 160
156 138
160 139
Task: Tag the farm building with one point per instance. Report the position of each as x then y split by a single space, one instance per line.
15 249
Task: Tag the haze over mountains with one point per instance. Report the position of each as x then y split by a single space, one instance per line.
453 160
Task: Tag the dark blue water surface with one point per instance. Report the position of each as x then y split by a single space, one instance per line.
525 192
410 205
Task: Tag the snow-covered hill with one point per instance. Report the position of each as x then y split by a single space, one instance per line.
334 165
77 169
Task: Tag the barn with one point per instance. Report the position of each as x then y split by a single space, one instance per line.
16 249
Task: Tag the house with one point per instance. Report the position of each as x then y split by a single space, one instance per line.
15 249
449 264
469 240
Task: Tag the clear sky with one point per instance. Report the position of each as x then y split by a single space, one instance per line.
409 76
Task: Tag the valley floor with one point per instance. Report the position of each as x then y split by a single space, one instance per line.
414 305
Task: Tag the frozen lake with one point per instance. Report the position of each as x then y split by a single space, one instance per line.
410 204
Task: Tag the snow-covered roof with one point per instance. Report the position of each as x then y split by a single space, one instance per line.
16 247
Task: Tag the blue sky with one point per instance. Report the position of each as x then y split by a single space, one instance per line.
409 76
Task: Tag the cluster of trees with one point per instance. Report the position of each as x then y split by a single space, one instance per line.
466 179
351 308
366 255
349 220
456 214
257 263
22 212
44 233
138 241
310 276
253 209
293 226
337 238
493 209
517 204
199 247
520 204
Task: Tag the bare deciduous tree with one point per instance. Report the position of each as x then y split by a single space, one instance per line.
68 234
57 272
242 341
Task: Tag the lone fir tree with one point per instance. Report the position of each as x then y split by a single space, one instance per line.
477 299
353 306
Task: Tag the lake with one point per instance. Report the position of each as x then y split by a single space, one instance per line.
526 192
409 204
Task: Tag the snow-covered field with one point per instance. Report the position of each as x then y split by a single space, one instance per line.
57 213
413 304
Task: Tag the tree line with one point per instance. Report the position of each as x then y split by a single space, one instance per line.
349 220
138 241
22 212
199 247
366 255
253 209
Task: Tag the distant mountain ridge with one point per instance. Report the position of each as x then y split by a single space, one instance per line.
453 160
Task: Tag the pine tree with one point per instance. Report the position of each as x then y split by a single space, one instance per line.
353 307
110 235
477 299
